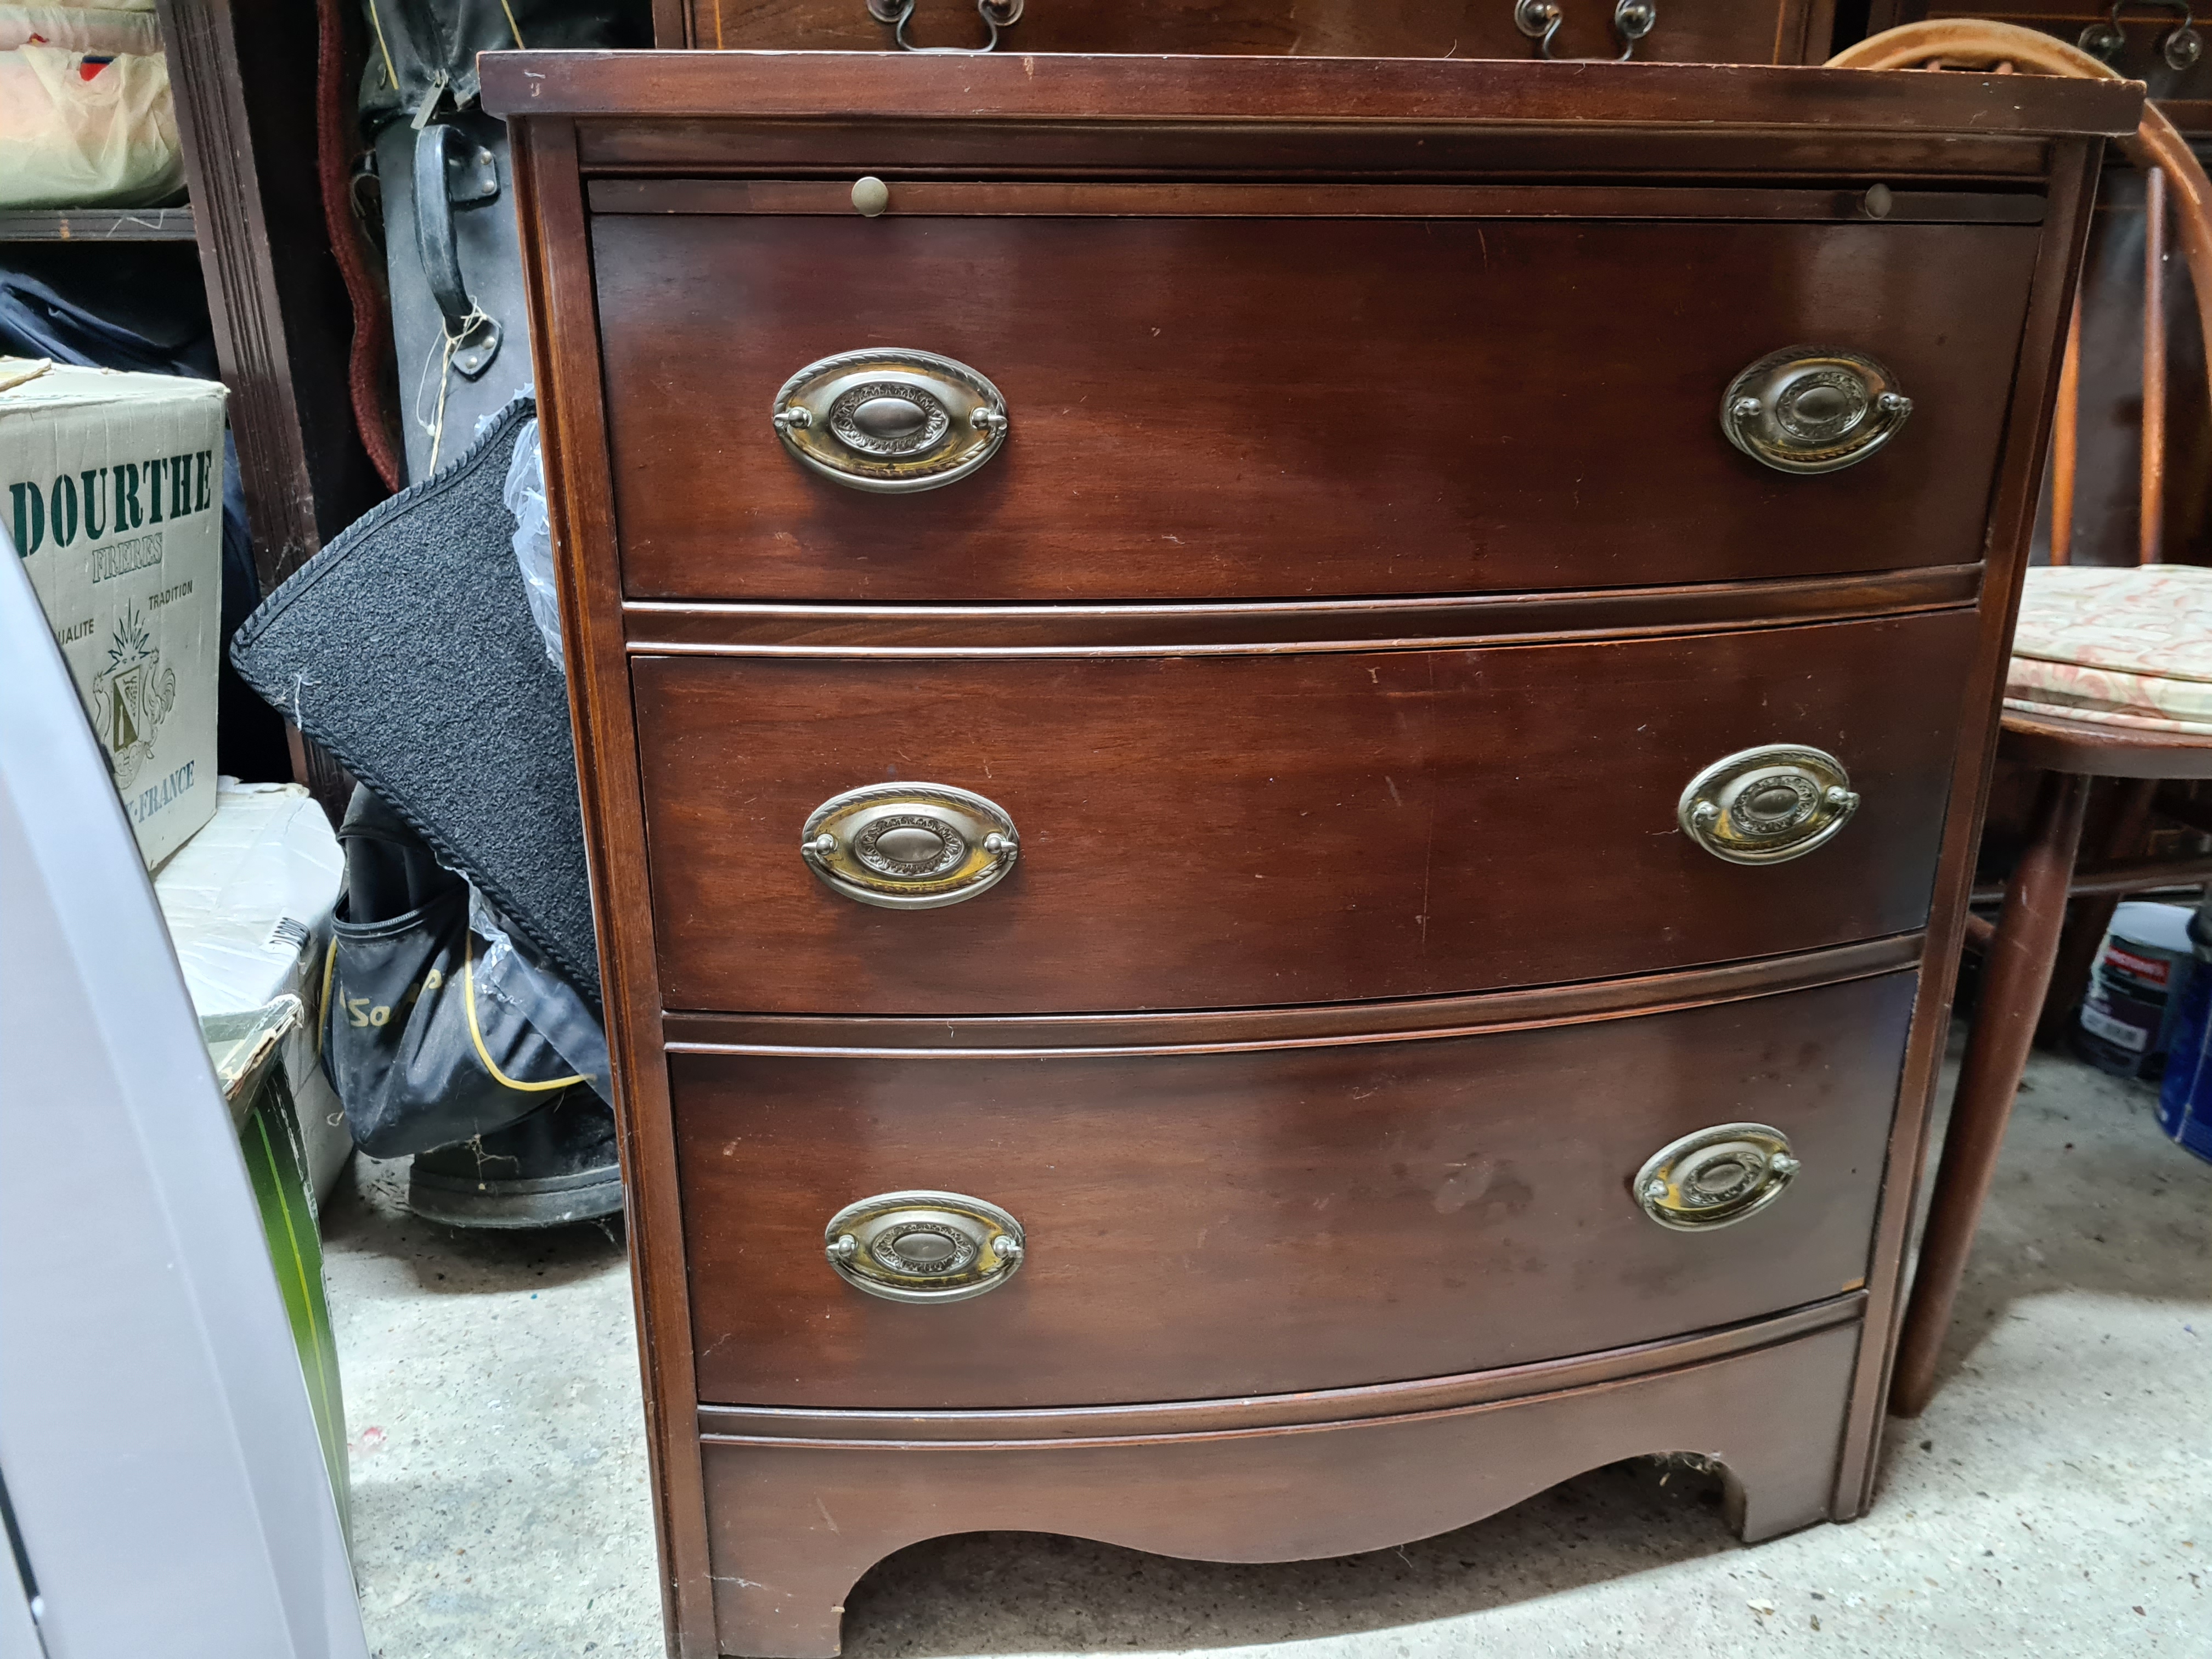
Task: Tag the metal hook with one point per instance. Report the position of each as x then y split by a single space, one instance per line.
1539 21
996 14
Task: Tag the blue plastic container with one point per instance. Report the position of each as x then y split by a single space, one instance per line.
2185 1102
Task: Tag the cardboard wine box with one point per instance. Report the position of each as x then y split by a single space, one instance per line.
111 489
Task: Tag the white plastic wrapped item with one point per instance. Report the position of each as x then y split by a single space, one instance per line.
108 29
75 132
525 496
248 902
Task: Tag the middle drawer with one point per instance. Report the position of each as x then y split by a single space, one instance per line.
1272 829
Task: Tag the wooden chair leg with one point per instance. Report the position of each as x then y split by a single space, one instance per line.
2015 973
2122 835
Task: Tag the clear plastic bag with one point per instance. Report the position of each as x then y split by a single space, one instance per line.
70 139
524 494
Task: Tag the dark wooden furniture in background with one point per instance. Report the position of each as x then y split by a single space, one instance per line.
2184 93
1339 629
2108 517
1692 32
244 74
2025 946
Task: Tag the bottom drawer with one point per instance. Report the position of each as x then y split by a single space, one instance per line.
796 1514
1210 1225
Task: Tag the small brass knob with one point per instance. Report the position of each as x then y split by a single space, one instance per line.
923 1246
871 196
1716 1178
1769 805
1811 410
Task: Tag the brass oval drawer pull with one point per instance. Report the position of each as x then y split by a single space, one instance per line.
1539 20
2180 47
1806 409
1716 1178
892 421
996 14
923 1246
1769 805
909 846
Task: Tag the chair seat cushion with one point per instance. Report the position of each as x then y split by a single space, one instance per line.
2120 647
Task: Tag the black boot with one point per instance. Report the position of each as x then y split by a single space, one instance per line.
557 1165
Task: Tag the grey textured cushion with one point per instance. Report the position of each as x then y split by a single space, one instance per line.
406 649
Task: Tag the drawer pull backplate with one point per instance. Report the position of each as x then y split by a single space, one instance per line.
1806 408
1716 1178
909 846
1769 805
892 421
923 1246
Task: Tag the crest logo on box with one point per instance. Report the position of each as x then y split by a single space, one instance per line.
132 697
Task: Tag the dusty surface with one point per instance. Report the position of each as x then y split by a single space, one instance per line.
2056 1499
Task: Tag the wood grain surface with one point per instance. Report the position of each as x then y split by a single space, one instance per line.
939 198
2013 509
657 627
1219 1031
905 1424
1741 32
556 271
795 1524
1279 408
667 90
1443 139
1205 1226
2052 743
1225 832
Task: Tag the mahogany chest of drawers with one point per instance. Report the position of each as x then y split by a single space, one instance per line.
1282 758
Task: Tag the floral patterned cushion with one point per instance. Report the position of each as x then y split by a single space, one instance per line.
2120 647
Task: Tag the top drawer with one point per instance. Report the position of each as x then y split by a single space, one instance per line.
1259 405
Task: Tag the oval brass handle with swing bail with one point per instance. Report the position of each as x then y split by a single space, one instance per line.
1716 1178
890 421
1810 410
909 846
1539 20
2181 45
923 1246
996 14
1768 804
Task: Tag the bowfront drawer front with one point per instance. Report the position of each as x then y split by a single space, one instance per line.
1204 1225
1034 834
1245 406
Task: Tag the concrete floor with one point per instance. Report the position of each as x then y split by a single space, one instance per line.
2056 1499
